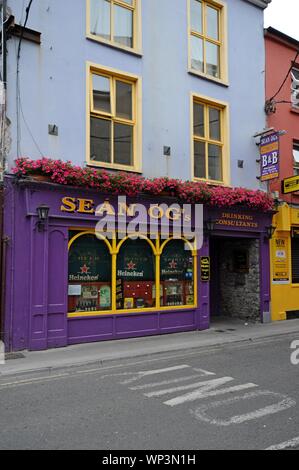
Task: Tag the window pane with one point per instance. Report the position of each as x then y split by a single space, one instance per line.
135 285
214 117
101 93
197 53
296 153
199 122
295 72
196 16
296 159
295 87
177 275
123 100
215 162
212 58
89 275
100 18
123 144
100 140
200 160
123 26
212 23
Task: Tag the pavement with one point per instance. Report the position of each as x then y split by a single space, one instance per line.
223 331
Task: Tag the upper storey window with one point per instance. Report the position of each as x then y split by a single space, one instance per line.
114 119
115 22
295 88
207 39
296 158
210 141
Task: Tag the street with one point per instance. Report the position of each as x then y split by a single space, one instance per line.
237 396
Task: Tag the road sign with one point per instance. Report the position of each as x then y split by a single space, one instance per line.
290 185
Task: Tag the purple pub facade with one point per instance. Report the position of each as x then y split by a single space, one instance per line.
48 306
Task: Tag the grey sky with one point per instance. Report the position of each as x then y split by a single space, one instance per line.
283 15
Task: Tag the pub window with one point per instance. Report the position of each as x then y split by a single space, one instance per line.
177 275
121 276
116 22
89 275
114 122
207 40
209 121
295 258
135 276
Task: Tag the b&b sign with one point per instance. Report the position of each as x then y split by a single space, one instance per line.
269 151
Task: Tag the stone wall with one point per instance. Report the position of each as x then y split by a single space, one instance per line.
239 285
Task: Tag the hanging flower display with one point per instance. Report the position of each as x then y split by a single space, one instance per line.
129 184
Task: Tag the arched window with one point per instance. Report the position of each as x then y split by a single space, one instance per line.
135 275
177 275
89 275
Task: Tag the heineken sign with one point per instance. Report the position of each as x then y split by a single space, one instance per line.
89 261
136 261
176 262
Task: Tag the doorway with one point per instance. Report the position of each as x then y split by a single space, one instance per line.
235 278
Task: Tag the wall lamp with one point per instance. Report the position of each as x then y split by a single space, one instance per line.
270 231
43 215
209 226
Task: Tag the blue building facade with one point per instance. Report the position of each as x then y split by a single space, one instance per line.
53 80
169 88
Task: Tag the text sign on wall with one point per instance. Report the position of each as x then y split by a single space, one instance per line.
205 269
269 152
290 185
280 261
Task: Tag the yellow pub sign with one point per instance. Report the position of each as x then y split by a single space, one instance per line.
290 185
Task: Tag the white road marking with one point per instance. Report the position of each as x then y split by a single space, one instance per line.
33 380
203 386
200 394
146 373
203 371
285 445
166 382
285 403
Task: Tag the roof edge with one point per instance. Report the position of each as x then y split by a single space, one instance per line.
260 3
270 31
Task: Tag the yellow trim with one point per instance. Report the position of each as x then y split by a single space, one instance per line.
224 143
137 25
136 122
192 247
130 312
143 237
221 7
91 232
114 249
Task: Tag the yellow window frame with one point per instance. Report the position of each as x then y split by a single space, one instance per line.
157 246
116 76
137 38
223 107
221 42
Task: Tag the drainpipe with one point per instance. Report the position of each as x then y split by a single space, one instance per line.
4 61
